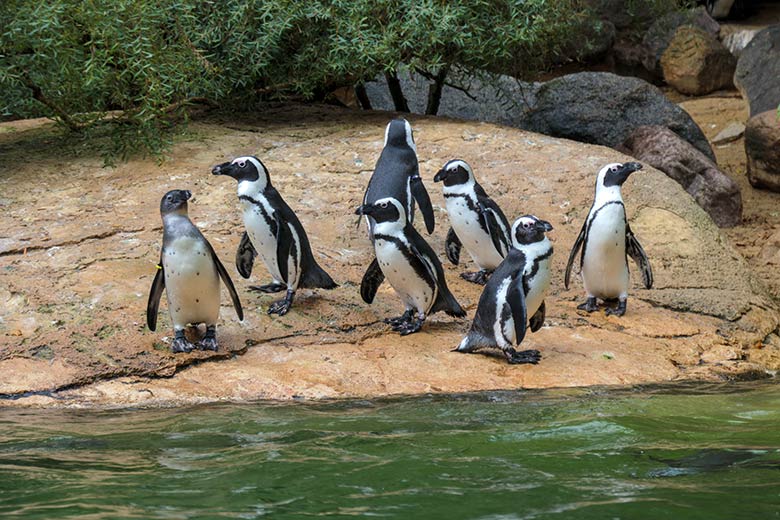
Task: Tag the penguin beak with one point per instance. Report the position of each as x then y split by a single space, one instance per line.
631 167
440 175
187 194
221 169
365 209
545 225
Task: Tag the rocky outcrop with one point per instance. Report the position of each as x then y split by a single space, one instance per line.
77 259
712 189
661 32
758 71
695 63
603 108
762 146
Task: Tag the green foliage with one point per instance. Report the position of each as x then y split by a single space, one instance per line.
132 67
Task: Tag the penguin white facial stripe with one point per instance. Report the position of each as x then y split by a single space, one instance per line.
409 136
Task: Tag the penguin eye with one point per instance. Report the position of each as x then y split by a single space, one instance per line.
241 164
168 198
383 204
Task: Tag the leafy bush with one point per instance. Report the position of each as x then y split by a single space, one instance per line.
136 65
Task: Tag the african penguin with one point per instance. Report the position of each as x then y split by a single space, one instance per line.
514 292
410 266
274 232
189 271
605 240
478 224
396 175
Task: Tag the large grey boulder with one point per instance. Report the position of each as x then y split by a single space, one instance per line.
696 63
712 189
603 108
762 146
758 71
491 98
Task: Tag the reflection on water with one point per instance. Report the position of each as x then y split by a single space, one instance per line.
684 451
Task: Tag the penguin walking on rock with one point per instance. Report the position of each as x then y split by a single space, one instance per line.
478 224
274 233
605 240
409 264
189 271
515 291
396 175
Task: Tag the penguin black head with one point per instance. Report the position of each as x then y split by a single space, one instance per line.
454 172
616 174
244 169
383 210
175 201
399 134
528 229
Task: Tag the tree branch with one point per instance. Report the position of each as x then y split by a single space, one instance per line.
38 95
394 86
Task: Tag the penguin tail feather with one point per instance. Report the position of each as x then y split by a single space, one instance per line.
317 278
446 302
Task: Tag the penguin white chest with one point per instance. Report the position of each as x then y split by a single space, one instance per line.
400 273
477 242
604 268
257 220
538 286
191 282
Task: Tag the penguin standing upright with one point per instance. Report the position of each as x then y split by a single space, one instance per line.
478 224
515 291
189 271
396 175
409 264
274 232
605 240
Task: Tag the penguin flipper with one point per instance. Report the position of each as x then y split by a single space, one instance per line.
537 320
497 236
515 299
497 225
574 250
155 293
424 201
245 256
452 247
371 281
228 283
637 253
284 245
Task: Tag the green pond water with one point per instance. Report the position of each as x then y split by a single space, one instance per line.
678 452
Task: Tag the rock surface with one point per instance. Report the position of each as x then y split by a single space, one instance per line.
758 71
695 63
712 189
603 108
730 133
661 32
762 146
80 243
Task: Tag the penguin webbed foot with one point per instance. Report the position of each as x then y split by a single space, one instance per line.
209 341
181 344
412 326
282 307
400 320
270 288
590 305
620 310
522 357
478 277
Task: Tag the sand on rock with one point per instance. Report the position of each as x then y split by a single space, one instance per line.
80 242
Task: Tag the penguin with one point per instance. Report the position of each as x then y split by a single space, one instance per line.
478 224
189 271
396 175
605 240
515 291
410 266
273 232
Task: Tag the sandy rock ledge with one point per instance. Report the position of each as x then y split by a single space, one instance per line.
79 245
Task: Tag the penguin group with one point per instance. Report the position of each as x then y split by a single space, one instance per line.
513 261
